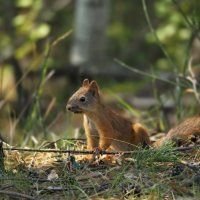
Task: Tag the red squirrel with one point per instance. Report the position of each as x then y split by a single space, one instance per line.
104 128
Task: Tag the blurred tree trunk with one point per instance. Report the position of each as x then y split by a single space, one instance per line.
88 48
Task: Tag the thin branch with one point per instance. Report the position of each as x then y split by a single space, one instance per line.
16 194
146 73
90 152
61 151
186 148
62 37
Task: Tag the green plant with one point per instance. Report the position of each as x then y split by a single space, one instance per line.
151 157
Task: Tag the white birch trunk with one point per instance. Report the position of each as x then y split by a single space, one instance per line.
88 49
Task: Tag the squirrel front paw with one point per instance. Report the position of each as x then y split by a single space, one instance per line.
97 152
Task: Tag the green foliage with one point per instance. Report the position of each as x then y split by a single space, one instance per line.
178 22
18 179
22 27
65 144
151 157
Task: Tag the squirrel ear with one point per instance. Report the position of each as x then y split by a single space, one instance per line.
94 88
85 83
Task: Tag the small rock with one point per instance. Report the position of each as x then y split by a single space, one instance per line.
197 179
178 169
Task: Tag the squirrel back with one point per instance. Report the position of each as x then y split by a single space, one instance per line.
183 132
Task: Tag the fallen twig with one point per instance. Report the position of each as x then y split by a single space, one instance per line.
186 148
60 188
89 152
62 151
16 194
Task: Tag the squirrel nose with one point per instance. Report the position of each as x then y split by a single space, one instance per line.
69 107
73 108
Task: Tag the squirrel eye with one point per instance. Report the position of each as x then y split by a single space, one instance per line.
82 99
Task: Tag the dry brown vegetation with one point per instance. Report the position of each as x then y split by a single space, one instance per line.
166 173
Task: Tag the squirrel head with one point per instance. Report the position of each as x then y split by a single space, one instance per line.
85 99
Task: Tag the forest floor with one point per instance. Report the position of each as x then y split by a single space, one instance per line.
166 173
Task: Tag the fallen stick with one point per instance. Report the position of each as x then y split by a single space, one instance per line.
88 152
60 151
16 194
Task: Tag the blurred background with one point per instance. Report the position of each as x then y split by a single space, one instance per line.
145 56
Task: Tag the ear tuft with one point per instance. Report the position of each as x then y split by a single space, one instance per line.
93 84
94 88
85 83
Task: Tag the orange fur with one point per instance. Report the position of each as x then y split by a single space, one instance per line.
103 127
181 133
106 129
